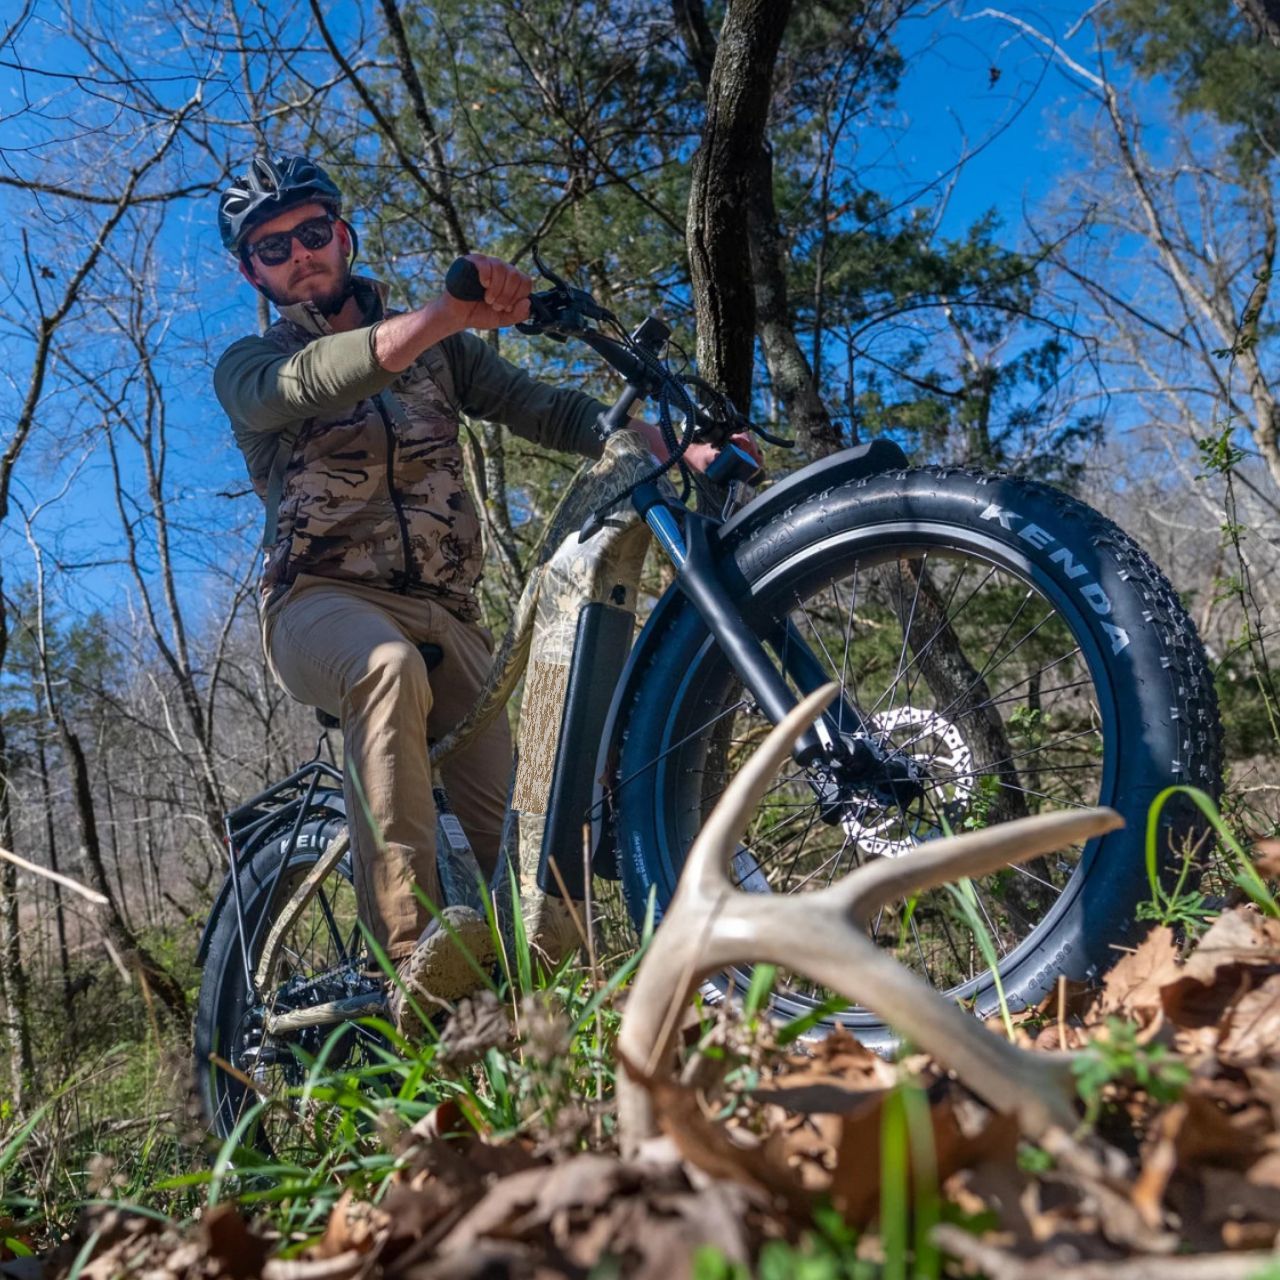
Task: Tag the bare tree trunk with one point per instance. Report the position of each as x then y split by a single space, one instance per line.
161 982
108 792
148 862
724 168
790 373
733 175
13 978
59 912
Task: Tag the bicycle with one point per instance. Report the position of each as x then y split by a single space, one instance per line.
999 647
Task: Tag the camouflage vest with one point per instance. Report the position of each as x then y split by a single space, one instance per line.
375 493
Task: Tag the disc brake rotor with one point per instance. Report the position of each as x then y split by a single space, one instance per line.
946 767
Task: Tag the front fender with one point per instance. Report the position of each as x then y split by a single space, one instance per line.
846 467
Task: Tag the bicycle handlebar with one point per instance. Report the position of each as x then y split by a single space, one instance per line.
462 281
562 311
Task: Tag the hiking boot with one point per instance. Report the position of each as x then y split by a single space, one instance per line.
438 972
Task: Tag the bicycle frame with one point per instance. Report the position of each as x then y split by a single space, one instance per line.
571 637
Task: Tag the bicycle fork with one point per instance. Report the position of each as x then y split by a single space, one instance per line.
841 738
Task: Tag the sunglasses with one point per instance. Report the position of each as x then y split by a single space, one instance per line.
277 248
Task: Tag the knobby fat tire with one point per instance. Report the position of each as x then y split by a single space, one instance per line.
1145 656
223 991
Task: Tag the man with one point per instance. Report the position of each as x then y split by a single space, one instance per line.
348 417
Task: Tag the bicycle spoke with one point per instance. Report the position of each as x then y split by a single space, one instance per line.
957 665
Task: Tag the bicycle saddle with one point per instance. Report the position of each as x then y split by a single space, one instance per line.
432 655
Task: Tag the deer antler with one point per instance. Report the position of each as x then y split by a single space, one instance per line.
710 924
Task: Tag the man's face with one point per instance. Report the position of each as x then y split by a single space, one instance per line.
307 275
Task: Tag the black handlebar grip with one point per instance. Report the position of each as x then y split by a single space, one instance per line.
463 281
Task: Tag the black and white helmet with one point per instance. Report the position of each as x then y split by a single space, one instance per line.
272 185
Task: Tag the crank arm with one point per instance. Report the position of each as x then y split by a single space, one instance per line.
325 1015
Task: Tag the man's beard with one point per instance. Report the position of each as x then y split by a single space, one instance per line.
328 303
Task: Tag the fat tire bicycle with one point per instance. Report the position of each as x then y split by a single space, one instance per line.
999 648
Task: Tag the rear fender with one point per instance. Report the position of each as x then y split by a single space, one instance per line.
846 467
318 830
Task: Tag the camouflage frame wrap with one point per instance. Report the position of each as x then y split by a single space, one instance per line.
566 575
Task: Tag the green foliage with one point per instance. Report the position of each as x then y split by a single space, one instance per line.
1176 904
1118 1058
909 1201
1215 62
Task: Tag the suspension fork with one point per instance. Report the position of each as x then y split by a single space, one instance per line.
689 549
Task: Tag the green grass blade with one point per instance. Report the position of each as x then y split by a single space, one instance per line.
894 1209
966 899
1246 877
759 989
792 1031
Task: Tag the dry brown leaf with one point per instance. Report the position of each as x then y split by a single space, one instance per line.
1159 1163
489 1259
964 1133
353 1224
444 1120
342 1266
1251 1035
809 1143
522 1202
233 1248
1240 951
1239 935
1249 1235
816 1093
709 1147
1131 989
465 1162
1264 1082
1228 1196
478 1023
1265 1171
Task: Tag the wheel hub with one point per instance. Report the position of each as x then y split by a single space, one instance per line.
925 770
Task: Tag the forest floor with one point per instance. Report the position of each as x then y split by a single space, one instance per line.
492 1150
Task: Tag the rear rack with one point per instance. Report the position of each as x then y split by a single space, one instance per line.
287 799
245 828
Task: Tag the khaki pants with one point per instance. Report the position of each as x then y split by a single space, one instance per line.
351 650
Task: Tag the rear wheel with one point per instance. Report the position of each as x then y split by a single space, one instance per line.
320 958
1008 649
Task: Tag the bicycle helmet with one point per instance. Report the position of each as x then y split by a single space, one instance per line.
272 185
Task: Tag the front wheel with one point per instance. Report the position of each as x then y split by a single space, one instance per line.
1012 650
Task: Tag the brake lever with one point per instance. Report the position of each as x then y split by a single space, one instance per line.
545 271
547 315
559 312
778 442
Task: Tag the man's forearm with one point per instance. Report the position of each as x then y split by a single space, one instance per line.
399 340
